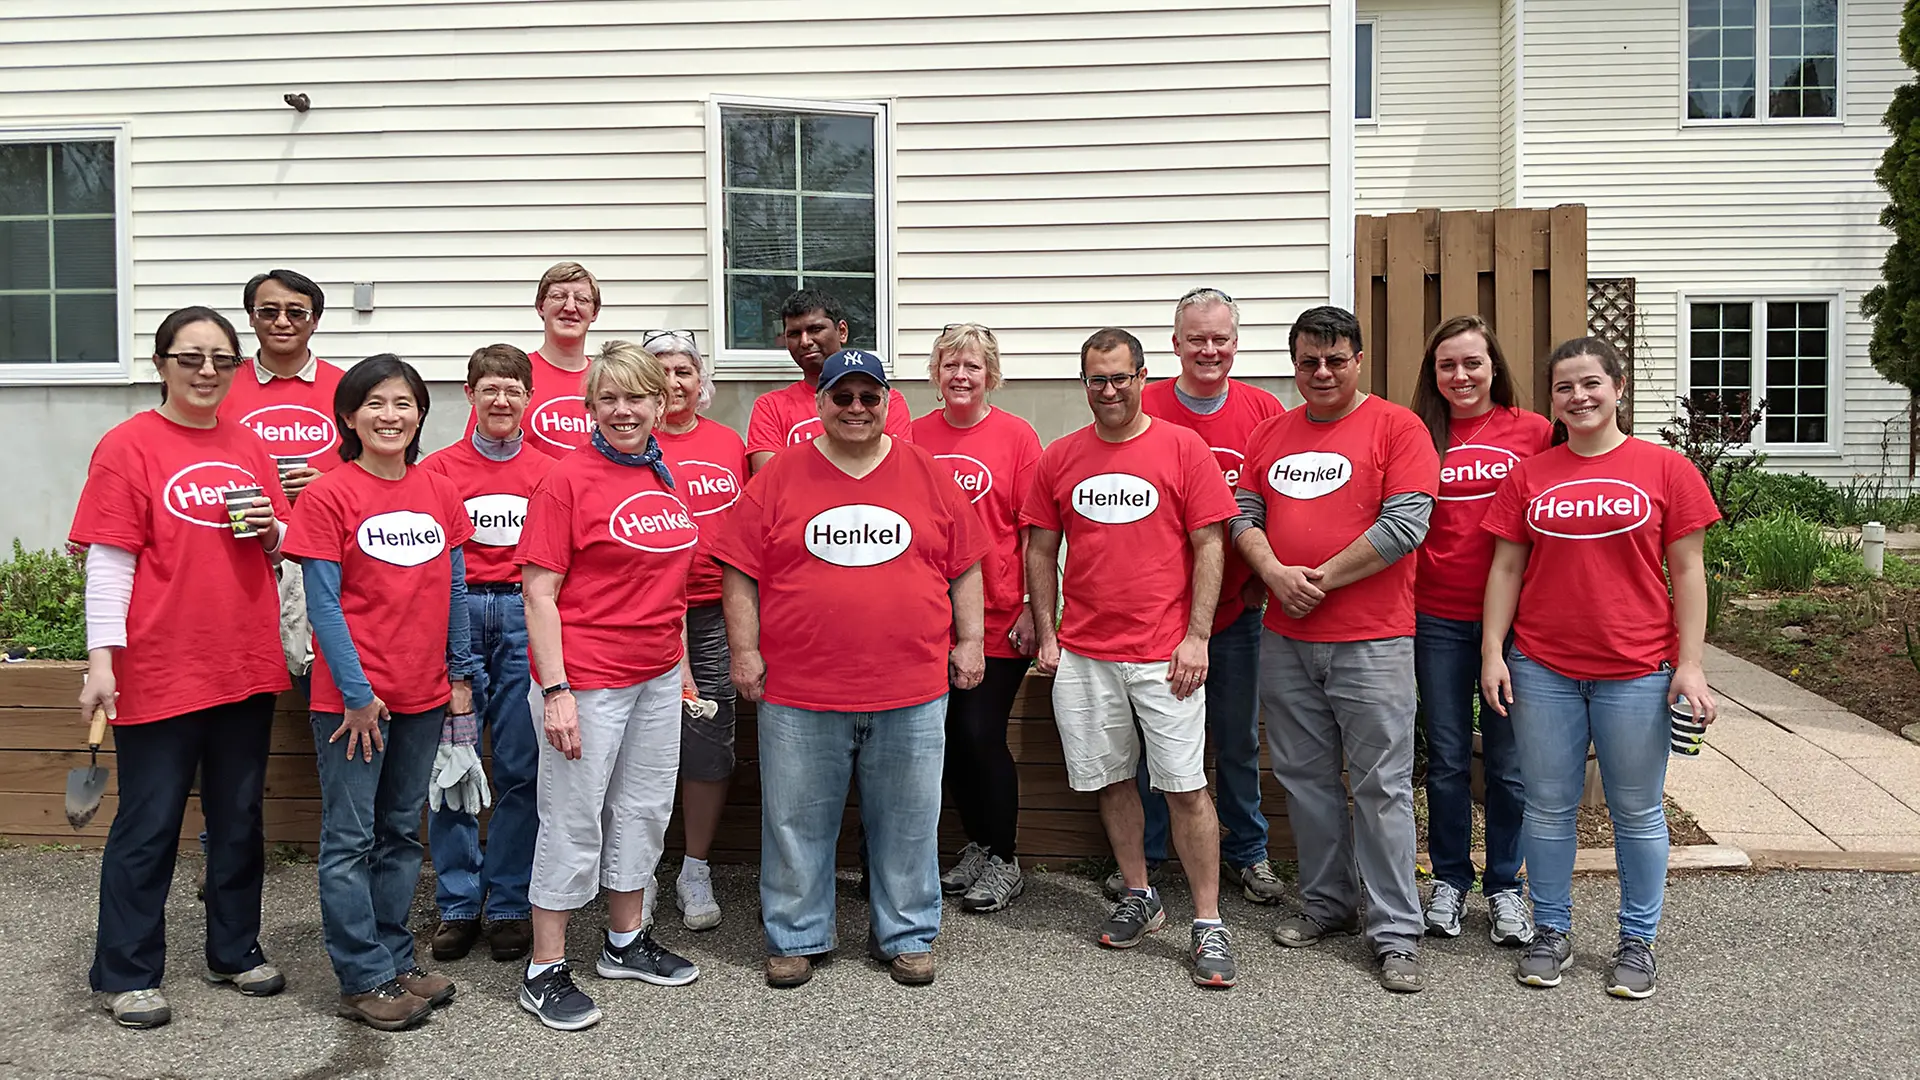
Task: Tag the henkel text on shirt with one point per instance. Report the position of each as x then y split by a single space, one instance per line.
561 421
497 519
858 534
292 430
1589 509
653 521
805 431
709 487
971 474
1474 471
1310 474
402 537
1231 462
198 493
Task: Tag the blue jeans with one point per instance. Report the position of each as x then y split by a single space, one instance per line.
370 845
1554 718
466 878
1233 725
807 759
1446 665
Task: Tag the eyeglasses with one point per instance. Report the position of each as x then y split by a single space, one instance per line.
1118 382
845 398
193 361
648 337
270 313
583 301
509 393
984 331
1307 365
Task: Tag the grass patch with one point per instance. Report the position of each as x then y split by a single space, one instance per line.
1782 551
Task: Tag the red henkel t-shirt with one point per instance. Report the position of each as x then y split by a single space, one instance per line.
1457 554
1594 602
203 626
853 576
393 540
624 540
1226 431
709 466
292 416
1324 485
556 422
993 462
495 494
789 416
1125 510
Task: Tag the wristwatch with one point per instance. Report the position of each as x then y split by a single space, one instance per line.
549 691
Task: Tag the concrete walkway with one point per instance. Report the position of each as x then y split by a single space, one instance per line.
1787 770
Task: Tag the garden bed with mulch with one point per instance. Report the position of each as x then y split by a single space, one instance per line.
1847 643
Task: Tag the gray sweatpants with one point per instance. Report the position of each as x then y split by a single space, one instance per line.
1323 701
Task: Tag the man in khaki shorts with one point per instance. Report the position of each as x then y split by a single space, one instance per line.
1142 506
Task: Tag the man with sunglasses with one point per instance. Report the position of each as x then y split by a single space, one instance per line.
814 327
567 300
1335 496
1143 509
284 392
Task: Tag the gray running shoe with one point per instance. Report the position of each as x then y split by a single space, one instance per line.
973 862
261 980
1302 930
1544 958
996 886
1443 910
1632 974
1402 972
1259 884
140 1008
1134 917
1213 965
1512 918
1117 884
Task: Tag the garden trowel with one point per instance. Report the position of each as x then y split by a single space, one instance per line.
85 786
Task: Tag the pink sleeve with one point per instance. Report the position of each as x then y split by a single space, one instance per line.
111 511
1413 465
1209 500
966 536
1255 465
459 523
741 543
1504 518
1690 505
546 537
899 416
763 428
318 530
1039 509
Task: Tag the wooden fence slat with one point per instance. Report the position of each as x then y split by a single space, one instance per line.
1567 274
1398 362
1513 293
1459 271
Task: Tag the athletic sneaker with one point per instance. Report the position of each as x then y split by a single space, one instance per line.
1632 974
1544 958
1512 918
644 959
1443 910
996 886
1259 884
1133 918
1213 964
558 1003
1302 930
261 980
694 890
1402 972
973 863
140 1008
1116 882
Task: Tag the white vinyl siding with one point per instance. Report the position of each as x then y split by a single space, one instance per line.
1512 92
1435 141
1053 168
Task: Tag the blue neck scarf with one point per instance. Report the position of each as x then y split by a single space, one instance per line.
651 458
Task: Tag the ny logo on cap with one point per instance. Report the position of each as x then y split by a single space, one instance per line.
852 359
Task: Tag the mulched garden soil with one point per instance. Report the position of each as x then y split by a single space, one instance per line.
1854 653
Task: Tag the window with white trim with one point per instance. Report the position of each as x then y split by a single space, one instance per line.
59 257
1779 353
1366 70
802 203
1794 45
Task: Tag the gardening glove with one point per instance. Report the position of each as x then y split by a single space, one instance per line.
699 708
459 782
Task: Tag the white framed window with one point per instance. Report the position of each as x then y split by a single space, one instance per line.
1782 352
65 301
1366 69
799 196
1762 61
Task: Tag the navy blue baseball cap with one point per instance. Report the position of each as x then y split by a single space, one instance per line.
853 362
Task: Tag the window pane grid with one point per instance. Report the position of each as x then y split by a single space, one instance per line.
1803 45
1791 48
1797 353
1780 350
1721 54
1721 357
58 255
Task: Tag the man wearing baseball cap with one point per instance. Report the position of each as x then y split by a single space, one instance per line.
815 328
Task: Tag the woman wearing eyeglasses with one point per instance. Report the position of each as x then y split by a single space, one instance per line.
567 300
184 657
709 463
992 454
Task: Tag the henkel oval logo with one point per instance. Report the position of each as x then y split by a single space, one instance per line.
197 494
710 487
1474 471
1310 474
560 421
971 474
858 534
292 430
805 431
497 519
653 521
1589 509
1231 462
1115 498
402 537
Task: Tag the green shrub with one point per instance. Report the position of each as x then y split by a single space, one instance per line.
1718 589
1719 552
1782 551
1763 494
43 604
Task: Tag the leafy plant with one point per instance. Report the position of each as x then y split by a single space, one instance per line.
1757 494
1713 434
43 604
1718 589
1894 305
1913 647
1782 551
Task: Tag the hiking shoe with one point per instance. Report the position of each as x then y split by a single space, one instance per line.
996 886
1116 882
1259 884
1303 930
1402 972
552 997
1632 973
788 971
1213 964
694 892
140 1008
1544 958
1443 910
644 959
510 939
436 990
261 980
1512 918
454 939
907 969
973 863
1133 918
387 1007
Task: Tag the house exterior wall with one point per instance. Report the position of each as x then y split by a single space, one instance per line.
1437 139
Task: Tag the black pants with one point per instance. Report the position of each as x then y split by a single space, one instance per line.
980 775
156 763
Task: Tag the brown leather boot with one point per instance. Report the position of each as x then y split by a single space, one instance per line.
784 971
437 990
454 939
387 1007
510 939
912 968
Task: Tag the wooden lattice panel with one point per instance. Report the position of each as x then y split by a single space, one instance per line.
1610 312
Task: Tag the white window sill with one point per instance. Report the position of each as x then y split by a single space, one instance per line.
64 375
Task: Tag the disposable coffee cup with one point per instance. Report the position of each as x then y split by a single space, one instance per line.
287 465
239 501
1687 736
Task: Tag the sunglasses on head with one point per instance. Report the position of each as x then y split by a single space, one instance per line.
649 338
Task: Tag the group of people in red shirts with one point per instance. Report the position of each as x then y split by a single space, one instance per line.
608 558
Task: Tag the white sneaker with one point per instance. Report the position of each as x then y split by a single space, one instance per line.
694 890
1443 910
1512 918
